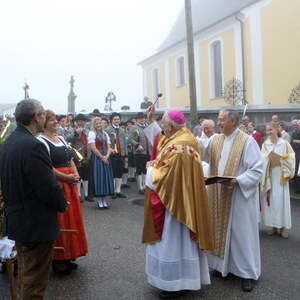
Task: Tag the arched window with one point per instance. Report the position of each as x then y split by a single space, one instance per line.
216 69
180 73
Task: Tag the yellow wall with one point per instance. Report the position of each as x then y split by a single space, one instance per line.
161 80
248 62
179 95
281 49
228 66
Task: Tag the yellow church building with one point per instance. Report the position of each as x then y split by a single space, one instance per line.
246 51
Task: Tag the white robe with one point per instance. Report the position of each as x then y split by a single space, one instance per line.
176 262
278 214
242 248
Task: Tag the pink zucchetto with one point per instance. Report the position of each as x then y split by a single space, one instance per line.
176 116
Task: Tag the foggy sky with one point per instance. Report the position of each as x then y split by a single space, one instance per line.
100 42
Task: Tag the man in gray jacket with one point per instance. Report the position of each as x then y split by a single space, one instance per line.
141 149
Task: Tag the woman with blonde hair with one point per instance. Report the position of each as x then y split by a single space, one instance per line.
101 183
279 168
73 245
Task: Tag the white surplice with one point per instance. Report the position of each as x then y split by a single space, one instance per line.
278 214
175 263
242 249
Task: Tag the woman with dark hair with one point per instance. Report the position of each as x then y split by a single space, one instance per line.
279 168
73 245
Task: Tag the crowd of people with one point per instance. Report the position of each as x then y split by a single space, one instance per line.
54 162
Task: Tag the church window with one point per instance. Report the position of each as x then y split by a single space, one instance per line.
180 72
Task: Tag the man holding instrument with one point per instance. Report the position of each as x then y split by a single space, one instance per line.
141 149
234 203
32 199
119 152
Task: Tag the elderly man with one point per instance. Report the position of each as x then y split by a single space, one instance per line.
235 204
208 131
32 199
177 222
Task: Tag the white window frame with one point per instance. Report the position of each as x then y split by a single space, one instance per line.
155 85
177 68
211 69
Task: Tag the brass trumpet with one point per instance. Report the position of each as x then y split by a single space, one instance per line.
115 139
76 154
4 130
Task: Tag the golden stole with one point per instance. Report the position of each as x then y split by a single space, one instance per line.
178 181
220 203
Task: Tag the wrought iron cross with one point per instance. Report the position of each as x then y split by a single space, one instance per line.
109 99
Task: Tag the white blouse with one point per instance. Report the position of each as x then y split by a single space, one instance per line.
92 137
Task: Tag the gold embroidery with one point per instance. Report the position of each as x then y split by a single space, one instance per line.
221 202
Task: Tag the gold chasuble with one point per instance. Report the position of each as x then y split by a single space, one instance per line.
220 195
178 181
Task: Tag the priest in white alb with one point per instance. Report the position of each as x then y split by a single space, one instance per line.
235 204
177 224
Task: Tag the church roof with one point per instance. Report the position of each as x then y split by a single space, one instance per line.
205 13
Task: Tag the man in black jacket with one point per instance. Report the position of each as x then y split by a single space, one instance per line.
32 198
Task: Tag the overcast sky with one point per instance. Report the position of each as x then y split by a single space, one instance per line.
100 42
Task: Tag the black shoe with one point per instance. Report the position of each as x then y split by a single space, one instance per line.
2 267
247 285
72 266
61 268
131 179
89 199
120 195
125 186
141 192
172 295
216 274
114 196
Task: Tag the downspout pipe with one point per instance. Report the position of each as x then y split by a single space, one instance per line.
240 18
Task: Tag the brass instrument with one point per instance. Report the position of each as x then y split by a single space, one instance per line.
5 128
116 146
76 154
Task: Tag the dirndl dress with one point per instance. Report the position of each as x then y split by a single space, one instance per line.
101 180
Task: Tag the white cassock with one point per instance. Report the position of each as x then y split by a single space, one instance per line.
242 248
176 262
278 214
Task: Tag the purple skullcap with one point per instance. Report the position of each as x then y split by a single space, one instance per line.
176 116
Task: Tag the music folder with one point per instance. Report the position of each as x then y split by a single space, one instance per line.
217 179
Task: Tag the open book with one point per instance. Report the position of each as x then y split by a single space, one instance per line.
217 179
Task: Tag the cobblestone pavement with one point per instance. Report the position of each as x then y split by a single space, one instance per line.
114 267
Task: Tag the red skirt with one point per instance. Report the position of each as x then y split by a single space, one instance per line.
74 245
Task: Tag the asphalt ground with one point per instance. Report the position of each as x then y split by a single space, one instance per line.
114 267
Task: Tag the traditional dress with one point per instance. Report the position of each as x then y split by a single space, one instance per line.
275 200
75 245
119 145
177 223
235 210
101 181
